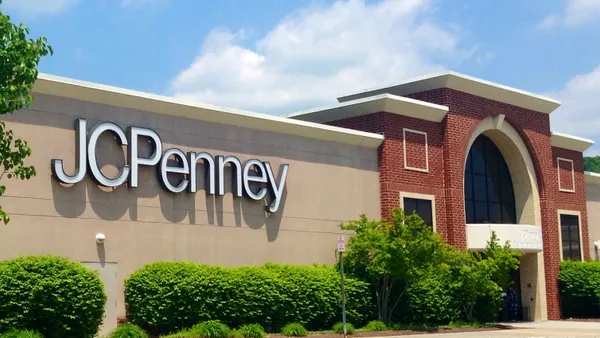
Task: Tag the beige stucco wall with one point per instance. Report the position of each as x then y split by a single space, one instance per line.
593 217
327 183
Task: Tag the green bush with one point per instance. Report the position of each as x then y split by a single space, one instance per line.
251 331
430 300
579 286
339 328
294 330
21 334
376 325
169 296
128 331
211 329
51 295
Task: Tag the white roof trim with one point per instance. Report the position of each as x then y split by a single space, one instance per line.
570 142
592 178
373 104
467 84
125 98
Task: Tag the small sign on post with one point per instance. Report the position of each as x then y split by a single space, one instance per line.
341 249
341 244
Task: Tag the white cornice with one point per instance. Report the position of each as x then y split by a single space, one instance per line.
570 142
125 98
373 104
467 84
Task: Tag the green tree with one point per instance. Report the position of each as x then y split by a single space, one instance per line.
392 255
476 275
591 163
19 59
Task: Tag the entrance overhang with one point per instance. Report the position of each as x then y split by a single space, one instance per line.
521 237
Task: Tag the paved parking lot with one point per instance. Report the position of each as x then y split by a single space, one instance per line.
533 330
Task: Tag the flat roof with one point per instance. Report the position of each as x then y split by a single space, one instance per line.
463 83
125 98
565 141
592 178
373 104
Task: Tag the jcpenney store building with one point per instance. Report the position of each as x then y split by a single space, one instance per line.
127 178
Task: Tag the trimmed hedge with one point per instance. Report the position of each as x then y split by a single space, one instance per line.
168 296
51 295
579 286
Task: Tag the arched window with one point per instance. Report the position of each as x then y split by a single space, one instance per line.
489 195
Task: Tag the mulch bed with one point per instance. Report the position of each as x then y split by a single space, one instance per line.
402 332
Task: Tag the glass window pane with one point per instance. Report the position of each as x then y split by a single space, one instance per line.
492 162
508 214
566 252
468 164
468 187
506 186
495 213
493 189
410 206
574 230
424 210
576 253
481 212
478 161
470 211
479 188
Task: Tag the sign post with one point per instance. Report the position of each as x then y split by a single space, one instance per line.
341 249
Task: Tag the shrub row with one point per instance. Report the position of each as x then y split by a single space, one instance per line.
579 285
165 297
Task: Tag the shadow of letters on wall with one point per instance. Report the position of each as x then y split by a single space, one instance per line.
176 171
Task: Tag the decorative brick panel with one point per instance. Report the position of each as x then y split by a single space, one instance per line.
566 175
415 150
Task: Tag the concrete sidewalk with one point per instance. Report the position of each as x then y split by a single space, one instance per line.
542 329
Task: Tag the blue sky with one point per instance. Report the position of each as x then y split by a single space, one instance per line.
280 56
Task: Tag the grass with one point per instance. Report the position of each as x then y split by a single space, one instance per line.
21 334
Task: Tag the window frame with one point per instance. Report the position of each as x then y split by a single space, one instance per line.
427 197
576 213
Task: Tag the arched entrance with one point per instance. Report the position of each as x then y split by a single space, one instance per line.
490 199
501 195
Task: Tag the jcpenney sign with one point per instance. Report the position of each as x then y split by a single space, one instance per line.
258 173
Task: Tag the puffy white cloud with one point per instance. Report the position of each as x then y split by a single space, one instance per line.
577 13
318 53
579 114
36 7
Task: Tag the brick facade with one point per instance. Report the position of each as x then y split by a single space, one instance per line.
447 144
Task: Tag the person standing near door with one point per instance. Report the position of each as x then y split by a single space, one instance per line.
513 303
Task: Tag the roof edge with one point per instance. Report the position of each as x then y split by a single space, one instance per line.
467 84
570 142
125 98
373 104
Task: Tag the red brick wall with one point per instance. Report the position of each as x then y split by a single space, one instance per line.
392 175
574 201
447 147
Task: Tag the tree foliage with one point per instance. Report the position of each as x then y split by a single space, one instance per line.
407 263
392 255
19 59
591 163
